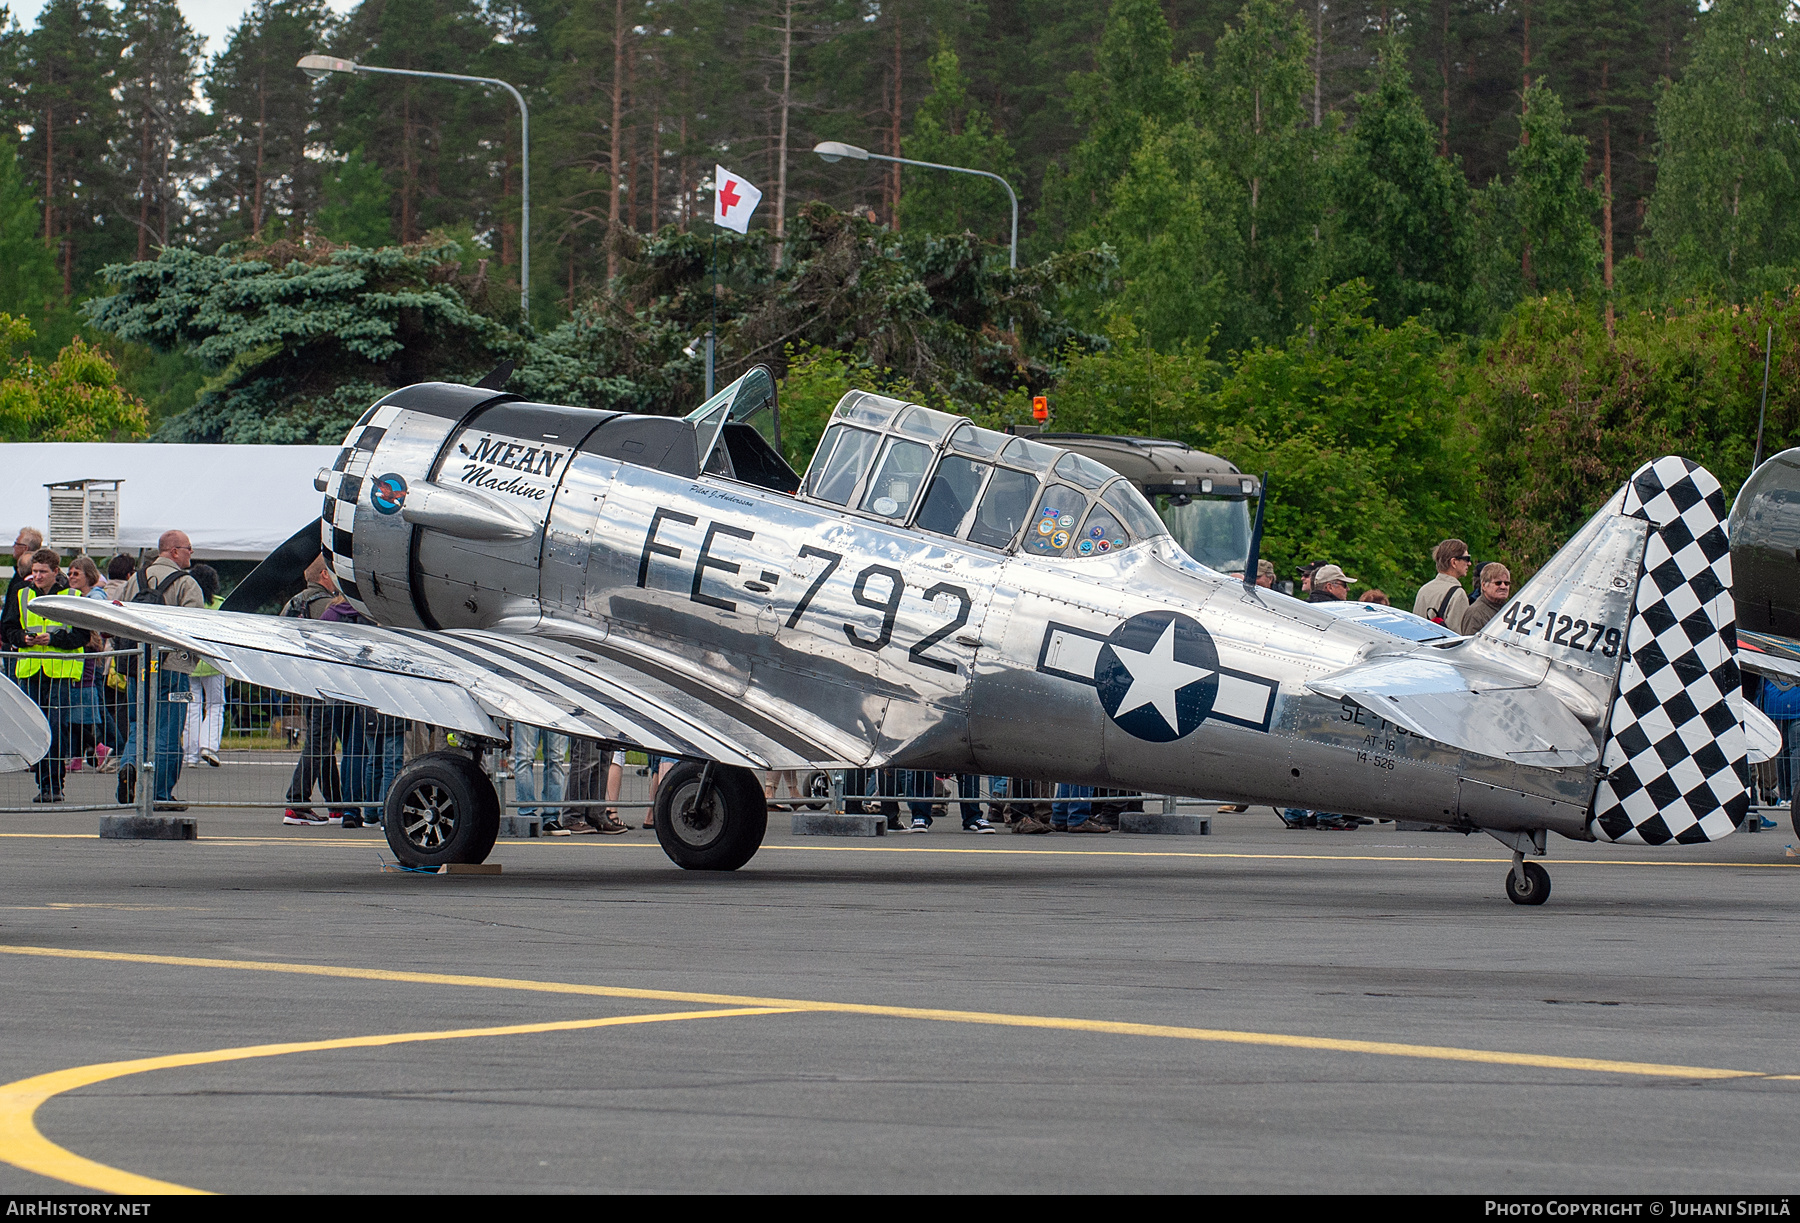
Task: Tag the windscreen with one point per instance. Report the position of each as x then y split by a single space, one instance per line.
1214 532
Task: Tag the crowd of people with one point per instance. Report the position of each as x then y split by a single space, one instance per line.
350 755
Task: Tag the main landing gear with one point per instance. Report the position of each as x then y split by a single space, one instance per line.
710 817
442 809
1527 883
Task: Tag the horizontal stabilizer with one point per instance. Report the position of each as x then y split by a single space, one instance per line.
24 734
1487 712
1761 736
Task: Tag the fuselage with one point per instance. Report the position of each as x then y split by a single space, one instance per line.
1132 667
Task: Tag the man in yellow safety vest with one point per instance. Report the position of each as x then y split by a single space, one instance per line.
48 667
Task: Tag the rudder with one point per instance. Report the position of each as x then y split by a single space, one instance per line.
1675 755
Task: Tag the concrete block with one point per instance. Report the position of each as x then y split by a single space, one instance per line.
828 824
149 828
469 868
521 827
1159 824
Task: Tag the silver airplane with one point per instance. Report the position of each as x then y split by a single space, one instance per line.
935 595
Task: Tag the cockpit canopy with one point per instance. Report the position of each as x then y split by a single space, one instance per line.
913 466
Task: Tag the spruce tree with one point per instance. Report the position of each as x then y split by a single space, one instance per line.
1401 212
354 206
951 129
1134 91
1255 103
1726 212
29 287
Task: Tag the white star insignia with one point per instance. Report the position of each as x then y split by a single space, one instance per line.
1156 677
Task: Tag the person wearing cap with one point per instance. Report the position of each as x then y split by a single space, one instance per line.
1442 600
1330 584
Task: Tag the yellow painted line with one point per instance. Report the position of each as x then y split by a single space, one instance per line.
23 1146
1448 1053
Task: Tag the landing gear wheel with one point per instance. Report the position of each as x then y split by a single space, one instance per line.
816 786
1537 886
1794 817
716 829
442 809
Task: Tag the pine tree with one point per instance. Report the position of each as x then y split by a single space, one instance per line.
156 95
1402 212
951 129
68 67
1726 212
263 118
437 142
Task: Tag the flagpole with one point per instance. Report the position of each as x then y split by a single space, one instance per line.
712 327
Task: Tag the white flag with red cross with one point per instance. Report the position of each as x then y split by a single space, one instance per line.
734 200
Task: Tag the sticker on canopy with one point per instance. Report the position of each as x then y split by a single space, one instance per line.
1060 540
1086 546
1046 525
1067 522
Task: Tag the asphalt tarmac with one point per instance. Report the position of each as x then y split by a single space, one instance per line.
1259 1010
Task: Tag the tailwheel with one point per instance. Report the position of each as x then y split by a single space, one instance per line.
442 809
710 817
1532 889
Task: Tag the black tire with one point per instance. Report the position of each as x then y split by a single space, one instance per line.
441 809
718 830
1794 817
1537 886
816 786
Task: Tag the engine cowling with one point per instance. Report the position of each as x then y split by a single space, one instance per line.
435 509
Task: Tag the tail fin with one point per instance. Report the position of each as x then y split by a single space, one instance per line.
1634 623
1676 755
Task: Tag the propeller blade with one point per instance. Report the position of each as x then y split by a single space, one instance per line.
281 576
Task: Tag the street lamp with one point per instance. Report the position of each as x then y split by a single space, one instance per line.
837 150
317 66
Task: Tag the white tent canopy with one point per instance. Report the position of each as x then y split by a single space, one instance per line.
234 502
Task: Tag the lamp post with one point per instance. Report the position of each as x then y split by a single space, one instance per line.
317 66
835 150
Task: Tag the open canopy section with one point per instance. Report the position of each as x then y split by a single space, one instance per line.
738 432
234 502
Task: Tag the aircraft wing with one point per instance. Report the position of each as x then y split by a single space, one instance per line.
24 734
464 680
1490 714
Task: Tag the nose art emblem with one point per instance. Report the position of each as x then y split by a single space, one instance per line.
388 494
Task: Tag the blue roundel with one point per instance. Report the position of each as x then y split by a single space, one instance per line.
388 494
1157 675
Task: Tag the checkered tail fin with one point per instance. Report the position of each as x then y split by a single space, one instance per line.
1675 754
